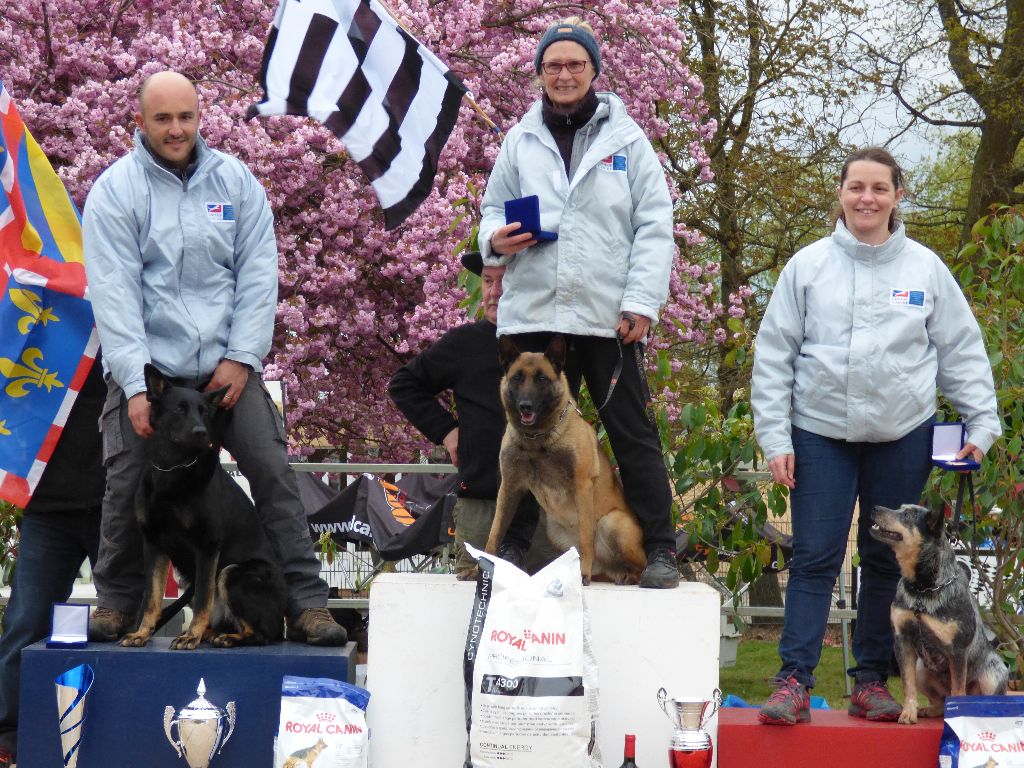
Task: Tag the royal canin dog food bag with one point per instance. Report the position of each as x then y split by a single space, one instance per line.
323 724
530 674
983 732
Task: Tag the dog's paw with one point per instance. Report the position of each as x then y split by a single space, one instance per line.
185 642
226 640
468 575
909 715
134 640
933 710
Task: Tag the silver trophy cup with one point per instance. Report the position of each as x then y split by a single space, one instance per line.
200 726
691 745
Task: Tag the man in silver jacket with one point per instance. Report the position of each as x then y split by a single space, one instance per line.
182 265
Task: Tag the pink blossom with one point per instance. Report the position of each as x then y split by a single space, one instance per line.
355 302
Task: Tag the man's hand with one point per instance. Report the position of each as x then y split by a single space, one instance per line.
782 470
505 244
233 375
451 444
633 327
138 412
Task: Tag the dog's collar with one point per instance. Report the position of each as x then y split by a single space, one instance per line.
936 588
176 466
561 418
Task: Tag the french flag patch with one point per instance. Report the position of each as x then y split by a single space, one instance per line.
906 297
220 211
614 163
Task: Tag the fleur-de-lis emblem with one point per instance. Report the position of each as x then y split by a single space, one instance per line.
31 304
3 427
29 373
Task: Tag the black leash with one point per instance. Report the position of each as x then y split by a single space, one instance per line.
638 352
966 484
617 373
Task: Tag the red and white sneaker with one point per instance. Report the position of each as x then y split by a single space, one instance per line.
788 705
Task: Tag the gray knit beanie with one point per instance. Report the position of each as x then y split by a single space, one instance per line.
576 34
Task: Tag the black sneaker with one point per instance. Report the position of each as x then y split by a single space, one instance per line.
512 553
661 571
106 625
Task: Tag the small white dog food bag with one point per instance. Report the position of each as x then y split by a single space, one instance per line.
323 723
983 732
530 673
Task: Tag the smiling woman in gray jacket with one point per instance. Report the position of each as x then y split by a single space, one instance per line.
861 328
602 189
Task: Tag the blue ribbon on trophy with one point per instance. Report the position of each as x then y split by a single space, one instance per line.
72 688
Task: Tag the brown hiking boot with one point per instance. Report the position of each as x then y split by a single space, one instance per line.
873 701
316 626
789 705
107 625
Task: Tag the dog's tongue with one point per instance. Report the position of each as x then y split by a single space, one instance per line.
527 418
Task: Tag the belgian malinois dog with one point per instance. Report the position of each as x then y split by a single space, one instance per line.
192 513
940 640
549 450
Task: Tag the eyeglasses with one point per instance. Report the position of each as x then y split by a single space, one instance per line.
555 67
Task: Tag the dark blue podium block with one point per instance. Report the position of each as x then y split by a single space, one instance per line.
125 709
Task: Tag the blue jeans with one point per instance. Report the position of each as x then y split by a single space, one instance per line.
831 475
51 549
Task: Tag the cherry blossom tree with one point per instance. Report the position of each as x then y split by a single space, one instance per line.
355 301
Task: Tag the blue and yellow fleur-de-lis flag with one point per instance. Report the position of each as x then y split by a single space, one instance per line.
48 338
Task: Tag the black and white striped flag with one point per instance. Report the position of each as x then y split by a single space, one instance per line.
392 102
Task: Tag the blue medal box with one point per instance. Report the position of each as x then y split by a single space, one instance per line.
125 709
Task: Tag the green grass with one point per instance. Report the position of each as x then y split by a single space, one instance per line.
757 662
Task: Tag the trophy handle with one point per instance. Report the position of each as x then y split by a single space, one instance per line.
168 724
716 700
662 699
230 711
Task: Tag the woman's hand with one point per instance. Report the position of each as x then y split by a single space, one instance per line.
782 469
633 327
970 449
507 244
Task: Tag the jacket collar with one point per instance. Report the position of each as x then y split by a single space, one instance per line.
203 155
852 247
609 107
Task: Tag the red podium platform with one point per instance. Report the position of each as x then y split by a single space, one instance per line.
832 739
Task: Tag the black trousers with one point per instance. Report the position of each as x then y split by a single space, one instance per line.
632 432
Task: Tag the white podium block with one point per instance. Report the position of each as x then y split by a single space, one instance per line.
644 639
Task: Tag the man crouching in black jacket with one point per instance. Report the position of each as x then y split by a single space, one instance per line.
465 362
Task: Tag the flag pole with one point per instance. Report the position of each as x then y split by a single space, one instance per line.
483 116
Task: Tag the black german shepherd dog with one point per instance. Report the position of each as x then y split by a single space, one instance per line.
193 514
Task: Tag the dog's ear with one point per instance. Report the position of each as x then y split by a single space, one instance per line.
507 352
555 353
156 382
214 397
936 520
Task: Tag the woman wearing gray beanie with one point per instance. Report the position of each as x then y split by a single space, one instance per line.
603 282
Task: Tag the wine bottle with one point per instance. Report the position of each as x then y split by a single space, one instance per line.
629 752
